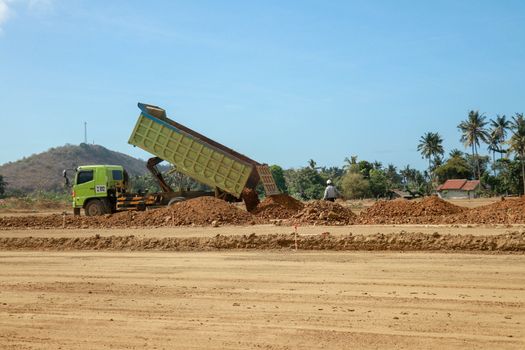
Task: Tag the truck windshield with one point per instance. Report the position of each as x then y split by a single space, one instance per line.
84 176
116 174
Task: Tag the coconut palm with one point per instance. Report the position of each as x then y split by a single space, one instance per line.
455 153
312 164
499 128
472 133
349 162
517 142
406 172
493 146
377 165
431 147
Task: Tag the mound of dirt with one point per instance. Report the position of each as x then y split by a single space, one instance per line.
324 213
508 211
401 241
200 211
280 206
401 211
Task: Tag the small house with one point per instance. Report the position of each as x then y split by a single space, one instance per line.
458 189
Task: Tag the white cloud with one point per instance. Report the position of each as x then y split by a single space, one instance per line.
38 7
4 13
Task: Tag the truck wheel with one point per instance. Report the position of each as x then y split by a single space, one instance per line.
95 208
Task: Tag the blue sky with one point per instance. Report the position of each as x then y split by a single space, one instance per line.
280 81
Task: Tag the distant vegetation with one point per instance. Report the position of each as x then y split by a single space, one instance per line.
355 179
501 174
2 186
36 200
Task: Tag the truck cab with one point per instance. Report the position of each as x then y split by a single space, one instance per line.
96 187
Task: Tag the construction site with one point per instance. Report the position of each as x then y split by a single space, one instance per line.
205 273
233 269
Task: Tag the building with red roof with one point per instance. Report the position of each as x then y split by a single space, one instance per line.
458 188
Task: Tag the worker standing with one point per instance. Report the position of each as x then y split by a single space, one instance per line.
330 192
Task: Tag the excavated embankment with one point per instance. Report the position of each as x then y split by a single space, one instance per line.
402 241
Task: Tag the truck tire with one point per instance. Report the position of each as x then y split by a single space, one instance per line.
95 208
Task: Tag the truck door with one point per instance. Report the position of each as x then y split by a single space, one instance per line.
85 186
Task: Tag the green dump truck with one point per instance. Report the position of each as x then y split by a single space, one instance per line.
101 189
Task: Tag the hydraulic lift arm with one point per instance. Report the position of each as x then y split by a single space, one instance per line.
152 167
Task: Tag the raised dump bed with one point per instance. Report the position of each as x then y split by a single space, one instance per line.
195 155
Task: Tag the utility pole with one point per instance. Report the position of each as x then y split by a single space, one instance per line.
85 132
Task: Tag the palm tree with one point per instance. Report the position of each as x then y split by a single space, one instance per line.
517 142
500 126
431 147
377 165
494 146
350 163
455 153
406 173
312 164
472 132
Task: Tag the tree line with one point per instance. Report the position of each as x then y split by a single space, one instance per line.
500 172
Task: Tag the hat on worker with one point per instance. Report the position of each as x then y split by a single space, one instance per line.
328 182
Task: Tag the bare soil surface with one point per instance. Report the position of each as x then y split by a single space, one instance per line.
432 210
7 213
324 213
279 206
210 231
205 274
284 210
261 300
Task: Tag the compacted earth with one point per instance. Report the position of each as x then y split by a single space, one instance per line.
261 300
206 274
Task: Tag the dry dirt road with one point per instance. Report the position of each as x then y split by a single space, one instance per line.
261 300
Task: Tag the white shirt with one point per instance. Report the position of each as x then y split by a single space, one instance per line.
330 192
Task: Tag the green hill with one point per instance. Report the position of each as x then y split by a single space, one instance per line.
43 171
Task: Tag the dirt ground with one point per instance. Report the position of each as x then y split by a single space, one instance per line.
357 206
401 286
261 300
37 212
162 232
